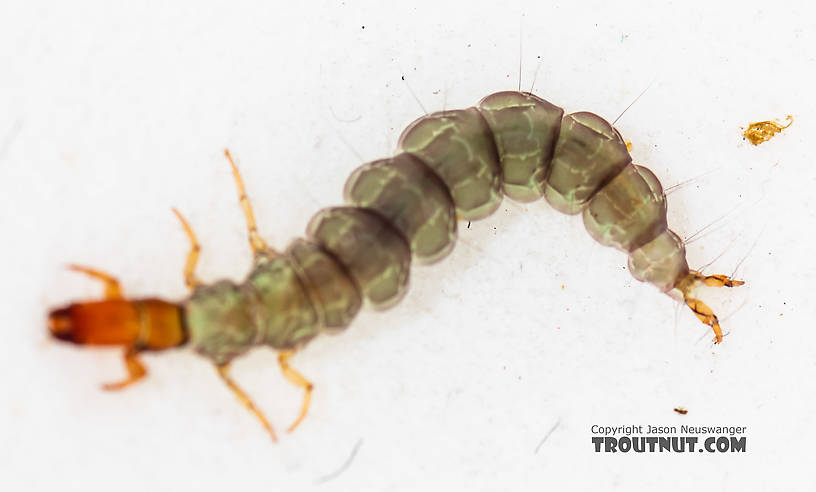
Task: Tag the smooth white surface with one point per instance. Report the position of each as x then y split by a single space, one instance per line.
112 114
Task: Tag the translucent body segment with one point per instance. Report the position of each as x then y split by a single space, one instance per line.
661 261
413 199
654 184
283 312
219 320
525 128
333 293
627 212
374 253
589 152
459 147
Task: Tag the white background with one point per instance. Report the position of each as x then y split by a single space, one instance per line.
111 114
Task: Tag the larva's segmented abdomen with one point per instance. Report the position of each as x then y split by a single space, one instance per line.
629 211
578 162
334 295
284 315
448 164
661 261
408 194
525 129
374 253
588 154
458 146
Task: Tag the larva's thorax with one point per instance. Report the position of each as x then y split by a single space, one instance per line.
448 164
285 301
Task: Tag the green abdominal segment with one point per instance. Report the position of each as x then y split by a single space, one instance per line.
375 254
459 147
412 198
588 154
525 128
333 293
627 213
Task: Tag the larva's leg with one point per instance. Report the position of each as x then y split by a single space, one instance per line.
135 369
259 246
112 288
192 257
706 315
223 371
298 380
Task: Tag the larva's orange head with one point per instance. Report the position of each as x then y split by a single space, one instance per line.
150 324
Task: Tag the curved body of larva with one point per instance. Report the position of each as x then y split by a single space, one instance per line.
451 163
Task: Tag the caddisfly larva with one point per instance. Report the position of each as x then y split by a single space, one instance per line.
456 164
762 131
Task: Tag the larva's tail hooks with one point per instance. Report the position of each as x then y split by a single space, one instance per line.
686 284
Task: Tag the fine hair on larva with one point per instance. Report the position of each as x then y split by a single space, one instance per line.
449 166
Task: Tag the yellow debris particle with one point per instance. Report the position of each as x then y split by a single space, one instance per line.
762 131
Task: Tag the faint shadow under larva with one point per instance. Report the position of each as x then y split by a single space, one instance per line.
346 464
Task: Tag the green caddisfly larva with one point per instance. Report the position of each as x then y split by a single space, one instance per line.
450 165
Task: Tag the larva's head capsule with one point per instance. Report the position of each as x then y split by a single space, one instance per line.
146 324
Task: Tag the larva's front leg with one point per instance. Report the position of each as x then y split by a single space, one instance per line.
190 263
112 288
135 371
